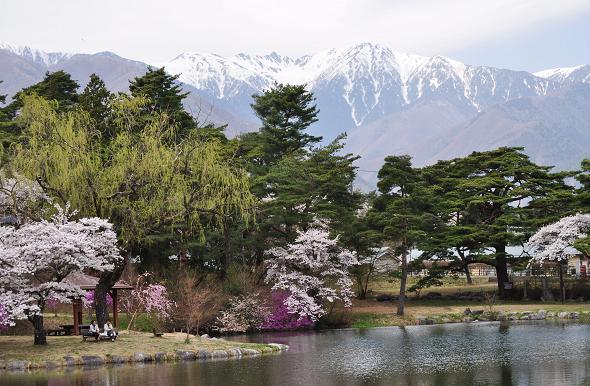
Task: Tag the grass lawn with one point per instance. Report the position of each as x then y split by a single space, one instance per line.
370 313
22 348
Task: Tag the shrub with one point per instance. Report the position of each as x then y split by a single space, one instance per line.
281 318
245 313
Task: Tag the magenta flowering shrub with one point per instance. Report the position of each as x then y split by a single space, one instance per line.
89 303
280 318
149 297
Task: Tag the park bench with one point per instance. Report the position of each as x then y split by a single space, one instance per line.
102 336
158 334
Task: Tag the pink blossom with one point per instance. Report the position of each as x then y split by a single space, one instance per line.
89 297
36 258
312 270
281 318
4 318
551 241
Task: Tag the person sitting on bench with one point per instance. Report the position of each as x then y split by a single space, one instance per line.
93 330
110 330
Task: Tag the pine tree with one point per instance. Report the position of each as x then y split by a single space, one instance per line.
2 97
402 213
56 86
286 112
3 113
492 200
165 95
96 100
583 192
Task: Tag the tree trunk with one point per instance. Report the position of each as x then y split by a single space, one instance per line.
547 293
501 270
105 283
468 275
40 335
466 268
401 303
561 283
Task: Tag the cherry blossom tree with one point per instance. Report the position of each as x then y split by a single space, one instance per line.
551 242
37 257
149 297
21 198
4 323
313 270
245 313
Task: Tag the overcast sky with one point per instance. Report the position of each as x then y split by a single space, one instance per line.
519 34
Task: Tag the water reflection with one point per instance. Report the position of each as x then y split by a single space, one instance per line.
538 353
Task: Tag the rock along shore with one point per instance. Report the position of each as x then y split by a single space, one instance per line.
90 361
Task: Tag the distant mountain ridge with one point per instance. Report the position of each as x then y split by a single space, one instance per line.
357 85
388 102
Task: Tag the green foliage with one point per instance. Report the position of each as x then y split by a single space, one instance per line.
302 188
490 200
2 97
434 278
56 86
293 182
3 113
141 179
165 95
401 213
583 192
286 111
96 100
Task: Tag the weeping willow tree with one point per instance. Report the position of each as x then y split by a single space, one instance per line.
142 179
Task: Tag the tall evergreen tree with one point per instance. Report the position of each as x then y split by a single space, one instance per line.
293 182
492 200
3 113
583 192
96 99
2 97
302 188
164 94
286 112
141 181
402 213
56 86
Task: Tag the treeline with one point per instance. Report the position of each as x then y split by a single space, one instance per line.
173 186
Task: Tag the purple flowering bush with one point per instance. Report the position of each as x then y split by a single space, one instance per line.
90 299
280 317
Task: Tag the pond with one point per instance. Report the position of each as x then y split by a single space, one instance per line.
525 353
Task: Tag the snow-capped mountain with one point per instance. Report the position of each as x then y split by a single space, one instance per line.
388 102
36 56
356 85
567 76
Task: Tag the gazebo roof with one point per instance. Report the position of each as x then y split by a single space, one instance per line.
87 282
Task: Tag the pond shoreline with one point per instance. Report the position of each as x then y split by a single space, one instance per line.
205 349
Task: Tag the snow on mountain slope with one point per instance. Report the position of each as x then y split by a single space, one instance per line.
42 58
356 85
557 73
567 76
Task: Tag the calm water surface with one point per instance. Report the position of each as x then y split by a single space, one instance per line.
534 353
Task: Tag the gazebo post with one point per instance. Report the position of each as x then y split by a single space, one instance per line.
115 308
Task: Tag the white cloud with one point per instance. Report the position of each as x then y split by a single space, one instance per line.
156 31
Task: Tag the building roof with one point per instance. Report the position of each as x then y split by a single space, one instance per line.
87 282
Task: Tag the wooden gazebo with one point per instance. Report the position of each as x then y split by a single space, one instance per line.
89 283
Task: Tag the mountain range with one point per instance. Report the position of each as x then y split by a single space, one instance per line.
388 102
